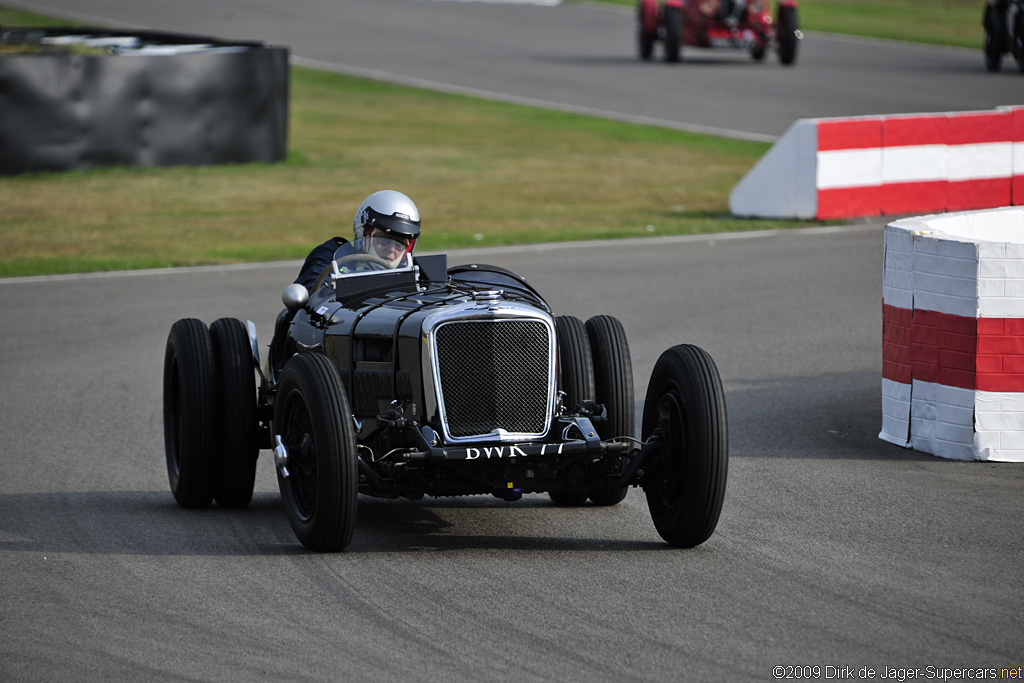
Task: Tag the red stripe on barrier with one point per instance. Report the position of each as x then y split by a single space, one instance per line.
845 202
859 133
972 129
896 343
986 354
903 131
905 198
985 193
942 349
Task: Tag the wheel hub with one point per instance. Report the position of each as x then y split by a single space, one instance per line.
670 478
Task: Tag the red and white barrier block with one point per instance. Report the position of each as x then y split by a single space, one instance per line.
953 335
888 165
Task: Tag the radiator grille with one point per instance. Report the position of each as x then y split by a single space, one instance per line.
494 375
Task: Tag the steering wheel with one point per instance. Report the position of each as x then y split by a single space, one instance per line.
369 260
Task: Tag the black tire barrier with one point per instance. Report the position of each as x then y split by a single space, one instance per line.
142 99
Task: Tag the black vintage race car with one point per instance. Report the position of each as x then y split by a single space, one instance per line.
430 380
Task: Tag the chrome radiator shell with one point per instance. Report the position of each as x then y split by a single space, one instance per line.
489 371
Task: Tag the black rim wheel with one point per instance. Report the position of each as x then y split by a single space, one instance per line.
313 418
298 439
670 478
685 483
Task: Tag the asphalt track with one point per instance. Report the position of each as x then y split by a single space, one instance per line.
834 549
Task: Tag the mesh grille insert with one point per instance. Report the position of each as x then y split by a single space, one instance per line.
494 374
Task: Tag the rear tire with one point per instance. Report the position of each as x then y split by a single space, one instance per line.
575 362
576 379
613 377
673 35
788 25
313 418
685 485
236 409
189 429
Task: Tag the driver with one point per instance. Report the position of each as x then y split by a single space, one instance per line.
386 227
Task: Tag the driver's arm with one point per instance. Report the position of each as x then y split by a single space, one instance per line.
318 259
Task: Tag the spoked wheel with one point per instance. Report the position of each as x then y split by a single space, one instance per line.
788 26
318 480
673 34
189 425
576 379
613 379
236 409
685 484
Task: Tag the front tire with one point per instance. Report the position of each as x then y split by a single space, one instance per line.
189 424
685 486
236 408
313 418
788 26
613 378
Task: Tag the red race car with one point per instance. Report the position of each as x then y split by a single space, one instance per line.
718 23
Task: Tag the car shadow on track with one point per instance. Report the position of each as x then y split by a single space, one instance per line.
482 523
150 523
140 523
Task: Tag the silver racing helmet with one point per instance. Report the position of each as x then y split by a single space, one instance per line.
389 211
387 225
